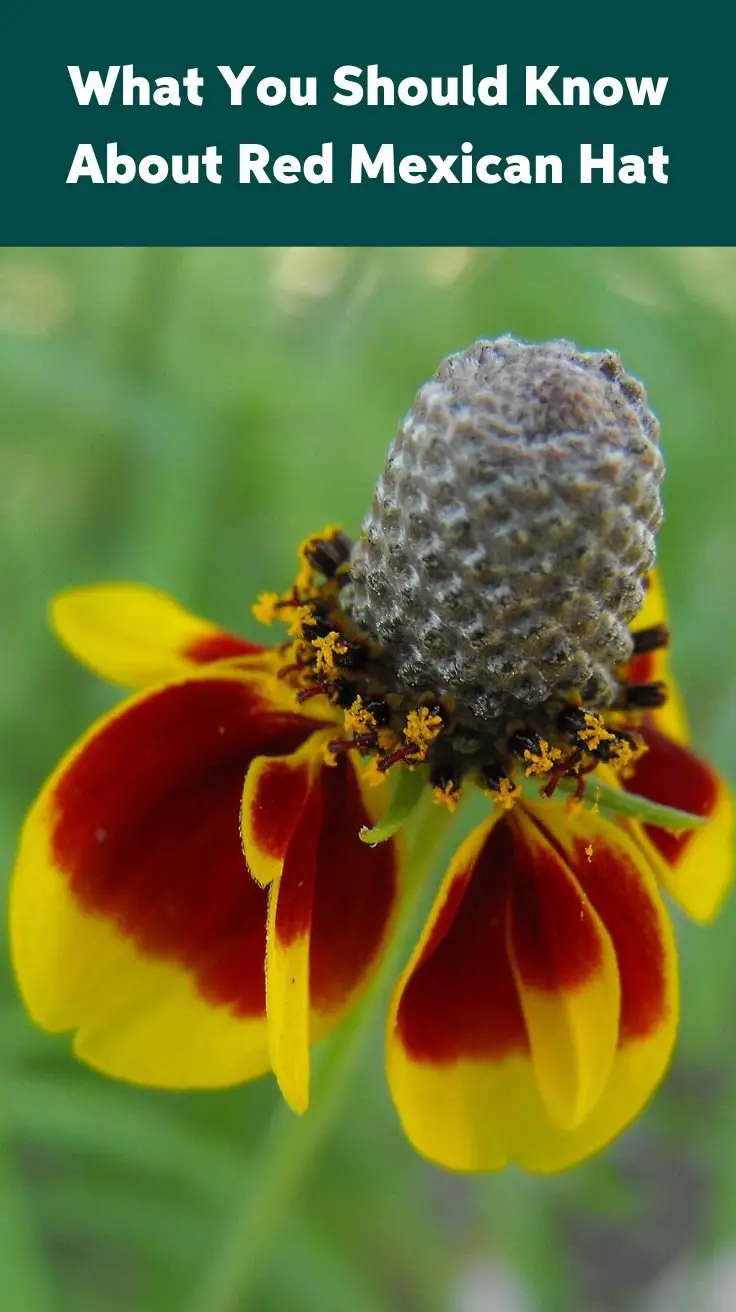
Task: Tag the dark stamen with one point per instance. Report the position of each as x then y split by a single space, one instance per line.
316 626
381 711
319 690
572 721
328 556
354 658
400 754
445 776
339 746
297 667
644 696
565 767
344 694
366 742
492 777
652 639
610 748
522 742
579 793
582 778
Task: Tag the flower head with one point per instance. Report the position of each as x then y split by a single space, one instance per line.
193 894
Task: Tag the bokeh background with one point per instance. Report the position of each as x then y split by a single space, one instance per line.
184 417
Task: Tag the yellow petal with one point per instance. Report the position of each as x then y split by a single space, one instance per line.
702 874
655 610
656 665
290 910
136 636
332 906
566 976
696 865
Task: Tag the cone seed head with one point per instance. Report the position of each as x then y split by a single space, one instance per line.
511 530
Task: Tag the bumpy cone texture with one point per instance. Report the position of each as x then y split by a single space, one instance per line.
504 554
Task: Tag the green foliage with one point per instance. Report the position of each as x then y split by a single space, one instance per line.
184 417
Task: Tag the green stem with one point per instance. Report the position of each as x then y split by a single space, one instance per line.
407 795
601 796
275 1177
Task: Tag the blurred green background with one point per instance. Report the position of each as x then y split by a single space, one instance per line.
184 417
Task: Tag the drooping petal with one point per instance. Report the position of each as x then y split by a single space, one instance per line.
566 975
331 907
137 636
275 792
356 894
695 865
527 932
655 666
134 918
290 910
612 874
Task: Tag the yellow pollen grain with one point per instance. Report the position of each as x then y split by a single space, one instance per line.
421 729
589 851
625 755
372 775
328 649
387 739
595 732
304 581
543 761
358 719
329 755
446 795
266 608
303 616
506 795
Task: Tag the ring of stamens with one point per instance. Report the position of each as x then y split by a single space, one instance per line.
327 656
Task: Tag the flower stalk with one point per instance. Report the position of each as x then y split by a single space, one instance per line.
602 796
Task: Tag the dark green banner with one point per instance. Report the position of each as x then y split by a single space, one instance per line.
393 125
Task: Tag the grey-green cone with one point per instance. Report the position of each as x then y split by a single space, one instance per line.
503 556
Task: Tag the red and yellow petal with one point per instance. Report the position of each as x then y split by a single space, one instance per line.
565 970
274 794
137 636
134 919
655 666
695 865
534 945
612 873
288 939
332 901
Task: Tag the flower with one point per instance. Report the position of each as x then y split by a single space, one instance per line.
193 894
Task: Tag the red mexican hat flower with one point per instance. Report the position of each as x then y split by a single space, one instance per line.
194 896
